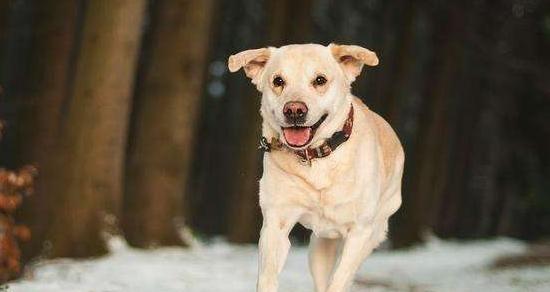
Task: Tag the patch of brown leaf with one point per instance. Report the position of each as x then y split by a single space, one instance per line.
14 186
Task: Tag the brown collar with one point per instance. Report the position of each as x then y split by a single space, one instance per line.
328 146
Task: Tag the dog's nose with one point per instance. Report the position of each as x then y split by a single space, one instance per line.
295 112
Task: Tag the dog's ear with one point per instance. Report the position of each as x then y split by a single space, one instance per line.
352 59
253 62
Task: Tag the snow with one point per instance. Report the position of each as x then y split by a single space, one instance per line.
435 266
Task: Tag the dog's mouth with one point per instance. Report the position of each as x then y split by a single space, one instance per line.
299 136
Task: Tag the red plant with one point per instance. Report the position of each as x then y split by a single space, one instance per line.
14 185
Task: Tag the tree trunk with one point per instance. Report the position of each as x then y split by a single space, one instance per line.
289 21
4 17
42 98
223 118
244 219
94 136
430 152
167 102
393 82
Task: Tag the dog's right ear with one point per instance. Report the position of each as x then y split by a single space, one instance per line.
253 62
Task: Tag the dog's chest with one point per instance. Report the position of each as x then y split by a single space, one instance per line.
332 206
330 193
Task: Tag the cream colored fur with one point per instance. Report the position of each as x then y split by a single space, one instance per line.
345 198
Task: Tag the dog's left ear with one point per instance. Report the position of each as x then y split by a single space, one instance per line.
253 62
352 58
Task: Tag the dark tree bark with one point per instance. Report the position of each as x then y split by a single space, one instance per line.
93 137
4 16
215 159
42 98
244 214
289 22
429 160
394 78
15 31
467 102
165 115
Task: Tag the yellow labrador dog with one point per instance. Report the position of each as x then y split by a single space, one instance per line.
331 163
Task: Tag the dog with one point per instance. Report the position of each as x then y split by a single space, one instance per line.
331 163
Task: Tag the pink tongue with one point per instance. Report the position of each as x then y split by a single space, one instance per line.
297 136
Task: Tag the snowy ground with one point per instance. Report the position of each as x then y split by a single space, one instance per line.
436 266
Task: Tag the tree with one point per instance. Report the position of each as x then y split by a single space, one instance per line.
223 119
165 115
430 152
46 86
4 16
93 137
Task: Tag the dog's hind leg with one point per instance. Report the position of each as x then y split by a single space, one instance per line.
322 258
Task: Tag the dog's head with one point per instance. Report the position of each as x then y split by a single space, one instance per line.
305 88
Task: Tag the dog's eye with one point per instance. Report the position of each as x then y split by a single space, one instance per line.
319 80
278 81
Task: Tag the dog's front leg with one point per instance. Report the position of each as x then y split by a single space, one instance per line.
357 246
273 247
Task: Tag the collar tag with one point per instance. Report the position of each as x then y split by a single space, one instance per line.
264 145
305 160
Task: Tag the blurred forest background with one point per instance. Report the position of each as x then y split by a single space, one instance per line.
128 111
